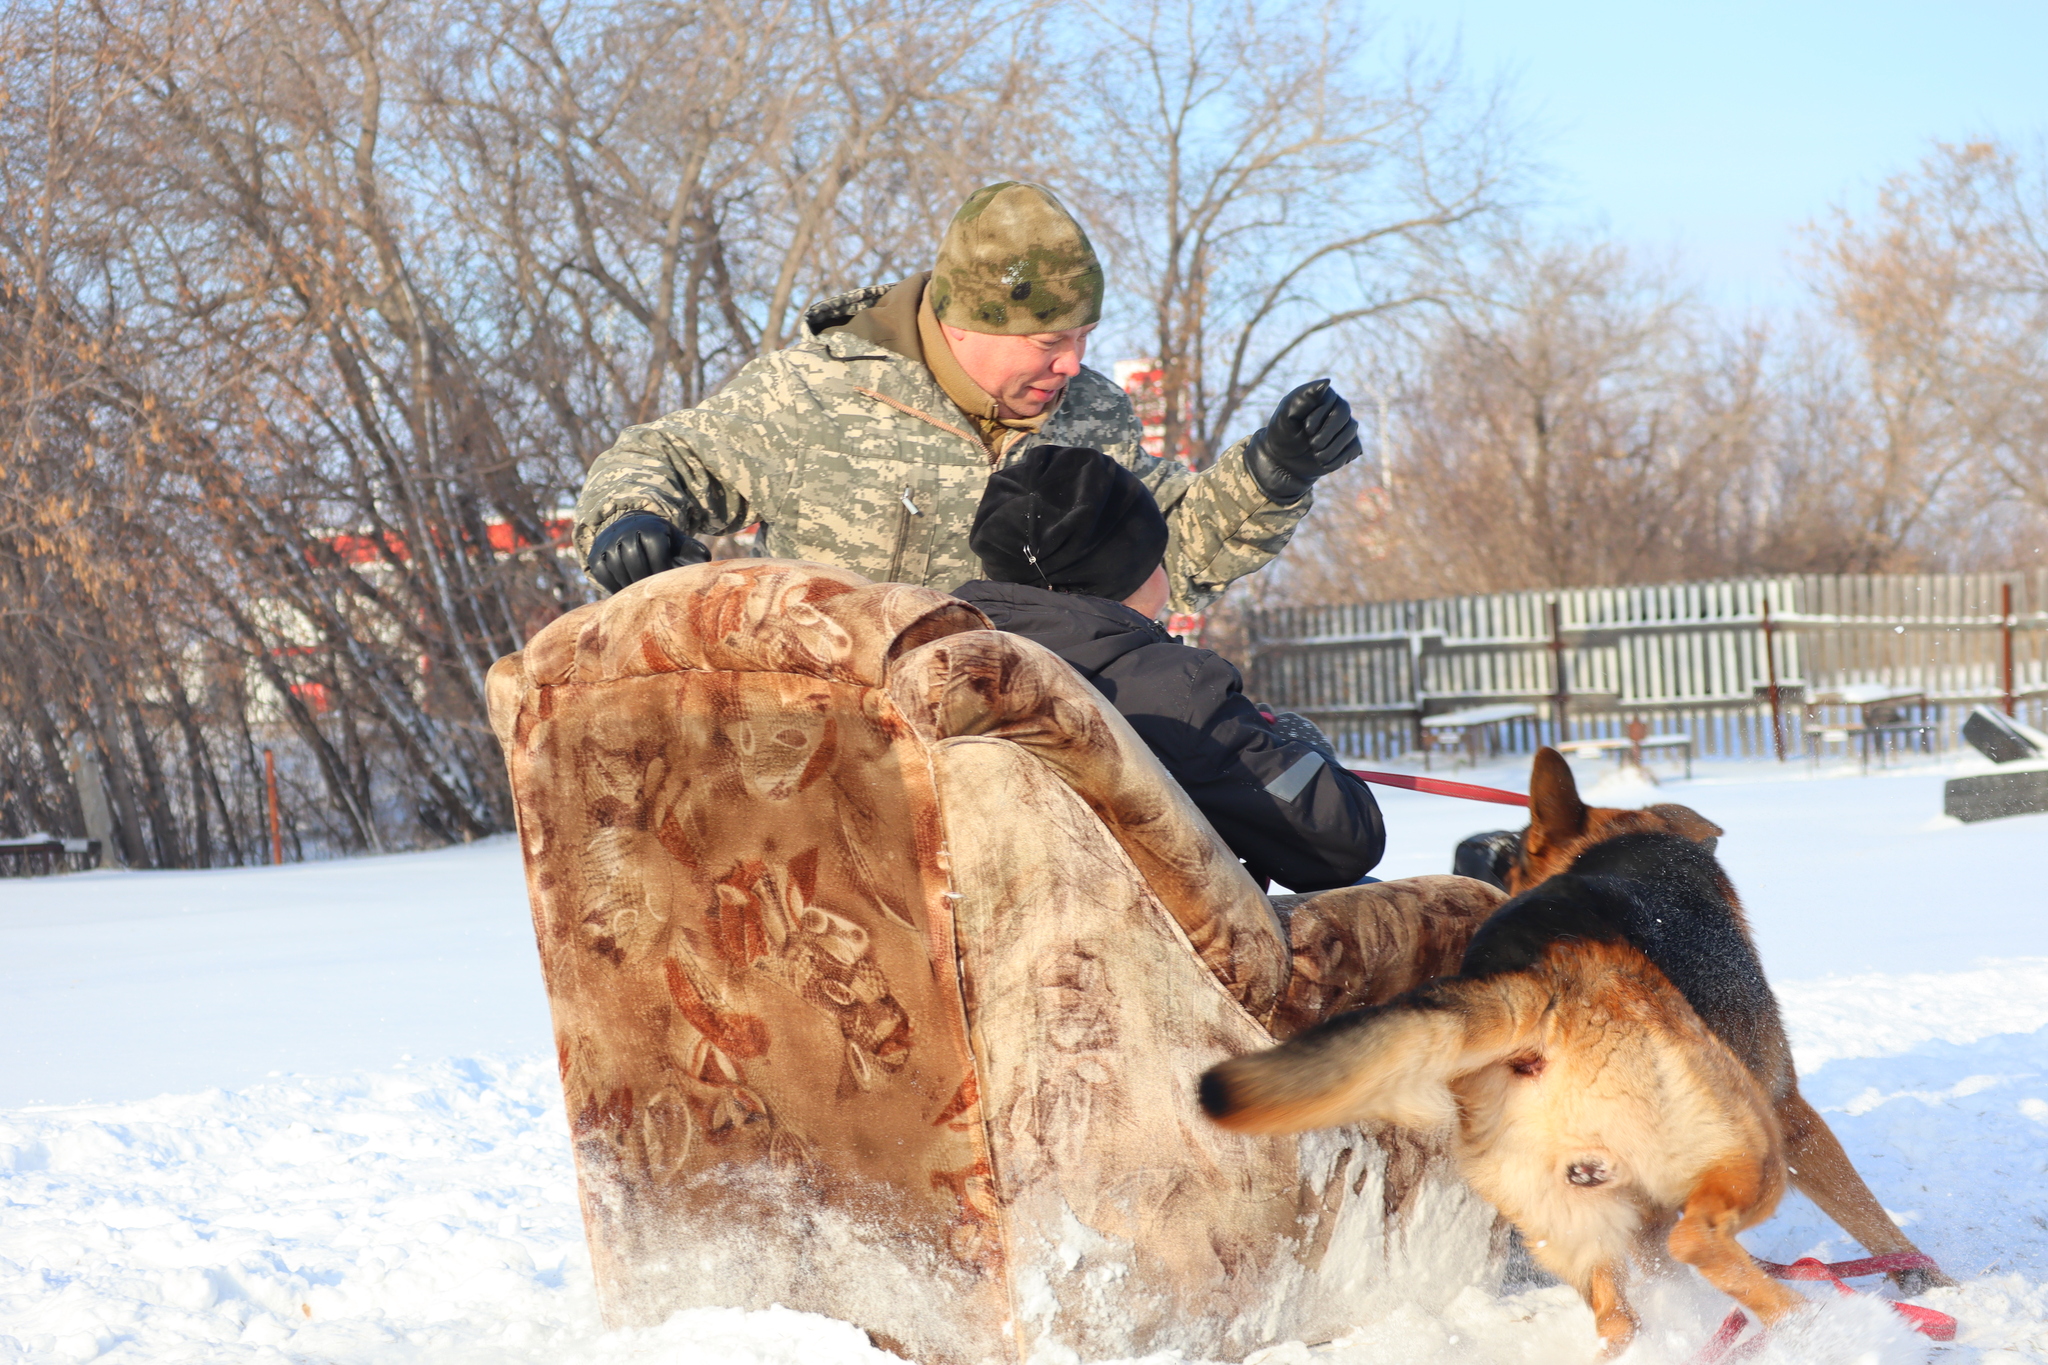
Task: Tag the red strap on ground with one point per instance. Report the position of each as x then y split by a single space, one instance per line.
1806 1268
1724 1337
1929 1322
1436 786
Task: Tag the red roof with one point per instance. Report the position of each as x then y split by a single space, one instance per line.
362 549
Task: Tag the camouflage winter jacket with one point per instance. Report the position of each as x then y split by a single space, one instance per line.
850 454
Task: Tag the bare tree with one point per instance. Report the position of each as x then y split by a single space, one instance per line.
1566 419
677 179
321 307
1266 187
1942 302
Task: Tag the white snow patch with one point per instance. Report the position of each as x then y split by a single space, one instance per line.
1628 788
1876 1014
306 1194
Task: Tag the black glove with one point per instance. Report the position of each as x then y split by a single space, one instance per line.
1299 729
1488 857
1311 433
638 545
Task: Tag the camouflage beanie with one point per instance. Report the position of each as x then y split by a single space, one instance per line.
1014 262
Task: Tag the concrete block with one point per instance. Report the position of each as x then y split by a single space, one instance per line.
1997 737
1988 796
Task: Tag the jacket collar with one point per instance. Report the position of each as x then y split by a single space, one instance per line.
895 322
884 317
1088 632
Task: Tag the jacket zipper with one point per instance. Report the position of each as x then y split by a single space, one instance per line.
904 513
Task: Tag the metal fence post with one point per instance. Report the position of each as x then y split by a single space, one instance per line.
1771 672
2005 629
270 781
1562 699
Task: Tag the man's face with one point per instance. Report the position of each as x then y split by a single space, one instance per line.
1025 375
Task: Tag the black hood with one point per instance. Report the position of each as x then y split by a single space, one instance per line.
1088 632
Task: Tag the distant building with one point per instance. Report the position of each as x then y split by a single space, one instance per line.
1145 382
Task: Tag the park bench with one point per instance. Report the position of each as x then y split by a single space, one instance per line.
1882 713
1472 729
1619 747
38 855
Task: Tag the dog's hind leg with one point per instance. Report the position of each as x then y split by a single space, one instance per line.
1612 1317
1593 1264
1704 1239
1821 1170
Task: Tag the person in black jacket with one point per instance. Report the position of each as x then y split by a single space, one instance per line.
1072 545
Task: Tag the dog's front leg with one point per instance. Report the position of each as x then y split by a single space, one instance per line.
1821 1170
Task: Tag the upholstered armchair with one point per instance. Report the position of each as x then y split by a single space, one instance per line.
884 959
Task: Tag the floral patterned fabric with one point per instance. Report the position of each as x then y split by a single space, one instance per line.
986 683
1360 945
883 959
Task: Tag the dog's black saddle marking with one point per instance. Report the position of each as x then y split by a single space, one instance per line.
1664 896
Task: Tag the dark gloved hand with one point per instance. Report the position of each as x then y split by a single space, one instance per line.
1311 433
1488 857
637 546
1299 729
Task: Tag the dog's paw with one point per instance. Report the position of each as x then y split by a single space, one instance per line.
1918 1280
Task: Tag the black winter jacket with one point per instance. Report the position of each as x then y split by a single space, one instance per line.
1292 817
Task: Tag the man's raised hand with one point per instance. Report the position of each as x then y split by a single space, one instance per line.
639 545
1311 433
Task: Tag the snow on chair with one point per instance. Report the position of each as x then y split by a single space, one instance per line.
884 959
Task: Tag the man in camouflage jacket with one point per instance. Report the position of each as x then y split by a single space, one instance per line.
867 444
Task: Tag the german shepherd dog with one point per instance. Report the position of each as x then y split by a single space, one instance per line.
1609 1057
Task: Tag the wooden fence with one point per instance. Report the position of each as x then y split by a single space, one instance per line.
1692 657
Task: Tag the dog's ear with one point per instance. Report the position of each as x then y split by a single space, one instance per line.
1688 823
1556 814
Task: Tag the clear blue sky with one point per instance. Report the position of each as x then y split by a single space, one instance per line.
1719 129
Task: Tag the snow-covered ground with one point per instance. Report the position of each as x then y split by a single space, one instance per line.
307 1114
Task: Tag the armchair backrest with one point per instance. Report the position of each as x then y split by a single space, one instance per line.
990 684
732 857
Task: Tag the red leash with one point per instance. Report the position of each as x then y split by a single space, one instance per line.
1436 786
1433 785
1929 1322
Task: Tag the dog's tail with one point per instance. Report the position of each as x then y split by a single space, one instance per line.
1391 1063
